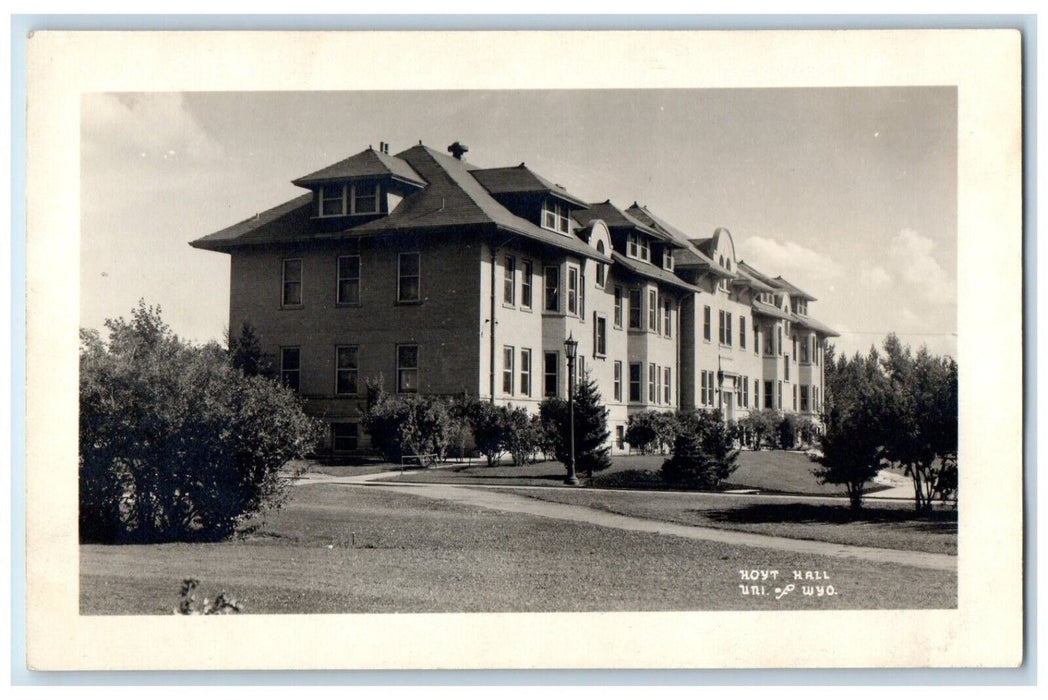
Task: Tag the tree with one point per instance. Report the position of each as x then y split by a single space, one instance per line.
855 407
592 450
786 431
922 420
245 352
492 428
704 452
175 443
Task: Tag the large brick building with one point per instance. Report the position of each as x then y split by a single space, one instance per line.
445 278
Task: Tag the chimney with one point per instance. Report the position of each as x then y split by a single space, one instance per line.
457 149
383 147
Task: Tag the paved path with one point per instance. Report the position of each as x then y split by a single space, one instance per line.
494 499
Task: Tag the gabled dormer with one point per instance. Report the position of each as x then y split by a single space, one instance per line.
798 297
630 236
531 196
360 188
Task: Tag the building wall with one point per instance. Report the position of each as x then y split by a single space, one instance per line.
442 324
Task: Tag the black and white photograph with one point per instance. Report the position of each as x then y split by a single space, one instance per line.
525 350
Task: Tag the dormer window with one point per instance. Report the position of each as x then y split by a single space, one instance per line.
555 216
667 259
349 199
638 247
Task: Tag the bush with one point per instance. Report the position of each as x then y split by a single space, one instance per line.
786 431
762 427
410 424
703 452
651 431
175 443
223 604
592 450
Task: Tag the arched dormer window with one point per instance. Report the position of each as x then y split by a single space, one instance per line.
601 268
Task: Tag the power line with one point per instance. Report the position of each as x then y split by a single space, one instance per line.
895 332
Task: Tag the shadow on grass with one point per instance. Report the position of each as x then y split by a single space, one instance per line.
941 521
630 478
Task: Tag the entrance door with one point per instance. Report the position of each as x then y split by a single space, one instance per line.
729 406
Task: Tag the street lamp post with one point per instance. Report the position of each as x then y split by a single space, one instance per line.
571 346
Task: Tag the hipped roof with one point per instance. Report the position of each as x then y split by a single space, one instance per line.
653 272
522 180
366 164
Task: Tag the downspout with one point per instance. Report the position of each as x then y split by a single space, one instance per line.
491 322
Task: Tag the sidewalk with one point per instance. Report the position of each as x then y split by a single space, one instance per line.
494 499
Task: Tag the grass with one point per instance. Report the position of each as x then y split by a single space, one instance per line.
767 471
889 525
338 549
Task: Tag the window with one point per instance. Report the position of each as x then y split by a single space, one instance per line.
769 344
666 398
724 332
507 369
525 372
745 392
348 279
778 344
343 200
778 398
638 247
525 284
573 290
635 309
552 289
407 369
635 372
509 281
582 296
343 437
738 391
707 331
769 397
332 200
742 332
804 398
653 310
667 259
618 307
794 397
756 393
667 326
709 388
786 365
620 436
555 216
550 373
794 348
618 380
346 370
408 277
756 338
291 282
653 383
365 198
290 367
580 369
805 352
601 271
600 335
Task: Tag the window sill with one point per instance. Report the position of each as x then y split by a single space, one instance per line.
348 305
415 302
291 307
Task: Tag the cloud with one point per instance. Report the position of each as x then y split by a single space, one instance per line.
152 128
774 257
875 277
914 261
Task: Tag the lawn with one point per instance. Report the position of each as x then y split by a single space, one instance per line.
889 525
341 549
774 471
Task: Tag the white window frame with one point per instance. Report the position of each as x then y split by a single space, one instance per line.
555 374
525 371
297 371
527 294
401 277
284 282
416 369
509 280
560 214
637 308
617 317
573 294
509 355
354 371
339 279
639 383
617 381
546 288
600 335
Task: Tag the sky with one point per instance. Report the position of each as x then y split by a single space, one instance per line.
850 194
